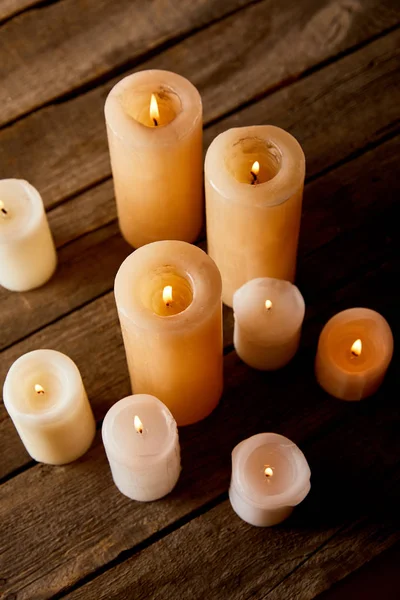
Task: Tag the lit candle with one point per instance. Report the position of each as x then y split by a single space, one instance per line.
268 314
140 437
154 125
354 351
45 397
27 253
254 179
270 476
168 296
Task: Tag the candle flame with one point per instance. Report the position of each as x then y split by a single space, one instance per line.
138 424
255 169
356 348
39 389
154 112
3 209
268 471
167 294
268 304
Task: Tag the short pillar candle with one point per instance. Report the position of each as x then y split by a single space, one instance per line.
154 126
254 178
268 315
168 296
354 351
270 476
141 441
45 397
27 253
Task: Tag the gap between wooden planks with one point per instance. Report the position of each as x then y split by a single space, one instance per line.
365 109
50 147
353 196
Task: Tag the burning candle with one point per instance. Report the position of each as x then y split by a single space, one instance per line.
168 296
268 314
354 351
45 397
140 438
154 125
254 179
270 476
27 253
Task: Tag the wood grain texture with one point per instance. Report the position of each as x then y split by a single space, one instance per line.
49 147
252 401
88 265
77 42
219 556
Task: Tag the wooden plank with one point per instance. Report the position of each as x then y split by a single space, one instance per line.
219 556
73 44
94 331
49 147
289 401
9 8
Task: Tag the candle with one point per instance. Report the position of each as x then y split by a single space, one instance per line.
44 396
254 179
154 126
354 352
27 253
140 438
168 296
270 476
268 316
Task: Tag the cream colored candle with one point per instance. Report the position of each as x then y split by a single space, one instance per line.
354 351
270 476
254 179
27 253
154 126
141 441
168 296
45 397
268 314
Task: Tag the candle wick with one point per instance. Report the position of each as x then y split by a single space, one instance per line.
155 122
255 180
4 212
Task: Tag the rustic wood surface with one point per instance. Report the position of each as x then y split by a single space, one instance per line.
327 71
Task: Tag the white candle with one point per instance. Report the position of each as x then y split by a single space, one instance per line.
27 252
254 179
270 476
141 441
45 397
268 314
168 296
154 126
354 351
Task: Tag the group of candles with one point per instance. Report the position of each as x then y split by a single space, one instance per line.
169 297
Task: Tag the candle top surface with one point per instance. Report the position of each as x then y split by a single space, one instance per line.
357 340
144 276
271 471
20 207
42 385
153 106
231 157
139 429
267 305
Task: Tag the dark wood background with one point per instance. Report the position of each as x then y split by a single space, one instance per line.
328 72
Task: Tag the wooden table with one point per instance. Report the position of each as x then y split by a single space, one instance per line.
327 71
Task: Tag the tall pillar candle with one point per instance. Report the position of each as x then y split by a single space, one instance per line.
45 397
270 475
27 252
154 126
168 296
141 441
354 351
268 314
254 178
